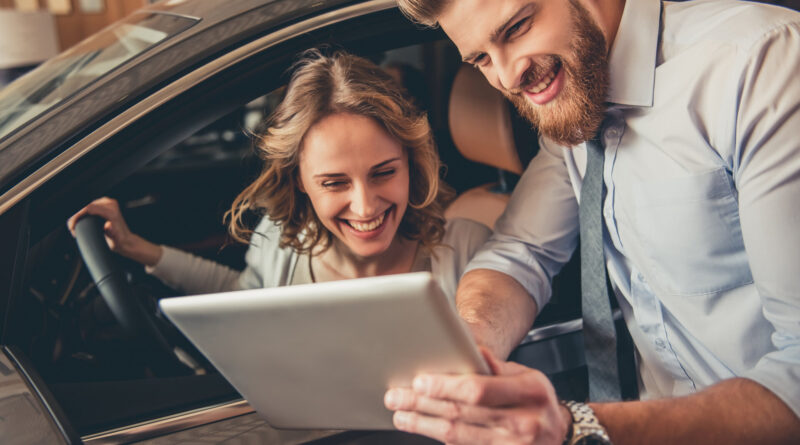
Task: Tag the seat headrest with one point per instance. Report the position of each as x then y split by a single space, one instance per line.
480 122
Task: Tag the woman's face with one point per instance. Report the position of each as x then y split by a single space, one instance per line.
356 176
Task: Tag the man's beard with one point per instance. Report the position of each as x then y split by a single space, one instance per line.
575 115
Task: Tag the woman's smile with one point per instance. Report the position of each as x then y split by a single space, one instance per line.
368 228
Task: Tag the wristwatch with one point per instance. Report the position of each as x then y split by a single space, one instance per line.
586 429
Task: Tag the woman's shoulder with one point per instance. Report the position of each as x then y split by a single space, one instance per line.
271 263
266 238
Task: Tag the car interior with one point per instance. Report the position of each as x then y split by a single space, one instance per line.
176 171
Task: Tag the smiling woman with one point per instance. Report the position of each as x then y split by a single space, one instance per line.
357 182
349 188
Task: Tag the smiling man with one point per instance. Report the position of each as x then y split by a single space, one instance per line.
674 124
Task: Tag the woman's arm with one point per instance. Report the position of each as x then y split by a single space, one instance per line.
178 269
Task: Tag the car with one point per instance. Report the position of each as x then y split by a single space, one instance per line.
155 111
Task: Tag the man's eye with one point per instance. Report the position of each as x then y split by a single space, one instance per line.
516 28
479 60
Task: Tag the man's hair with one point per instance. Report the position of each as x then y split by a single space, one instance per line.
424 12
319 87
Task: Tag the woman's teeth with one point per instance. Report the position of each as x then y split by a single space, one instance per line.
368 226
544 83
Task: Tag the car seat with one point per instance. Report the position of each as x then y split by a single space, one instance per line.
485 129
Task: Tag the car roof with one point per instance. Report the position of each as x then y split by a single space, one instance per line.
216 31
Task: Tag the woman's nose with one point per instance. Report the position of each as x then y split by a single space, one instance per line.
363 201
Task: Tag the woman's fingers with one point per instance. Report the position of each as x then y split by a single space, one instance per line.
106 208
74 219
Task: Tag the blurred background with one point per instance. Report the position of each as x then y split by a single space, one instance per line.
32 31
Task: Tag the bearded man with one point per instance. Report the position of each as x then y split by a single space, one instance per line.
675 125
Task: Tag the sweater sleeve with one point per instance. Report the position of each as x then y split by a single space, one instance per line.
267 265
192 274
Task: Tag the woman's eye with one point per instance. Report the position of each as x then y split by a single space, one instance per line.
384 173
333 184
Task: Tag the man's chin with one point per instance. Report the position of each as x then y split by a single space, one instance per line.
556 122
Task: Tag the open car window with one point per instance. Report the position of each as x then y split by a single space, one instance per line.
76 68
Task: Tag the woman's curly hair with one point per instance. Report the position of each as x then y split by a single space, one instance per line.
321 86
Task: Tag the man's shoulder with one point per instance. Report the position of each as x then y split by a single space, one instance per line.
463 230
739 23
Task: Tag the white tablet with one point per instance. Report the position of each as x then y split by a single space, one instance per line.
322 355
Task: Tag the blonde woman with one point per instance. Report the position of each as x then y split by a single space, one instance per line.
349 188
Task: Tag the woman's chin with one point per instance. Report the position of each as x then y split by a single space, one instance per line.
367 249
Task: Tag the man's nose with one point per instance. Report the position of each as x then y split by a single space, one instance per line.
509 71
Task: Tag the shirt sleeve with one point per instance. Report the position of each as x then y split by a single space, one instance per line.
767 176
538 231
462 239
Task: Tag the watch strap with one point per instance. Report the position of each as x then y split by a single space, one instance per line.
586 429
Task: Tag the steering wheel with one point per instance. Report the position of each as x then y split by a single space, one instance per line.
122 299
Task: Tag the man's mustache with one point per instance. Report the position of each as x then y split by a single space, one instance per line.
535 74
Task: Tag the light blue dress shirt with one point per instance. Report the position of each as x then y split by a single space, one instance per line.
702 171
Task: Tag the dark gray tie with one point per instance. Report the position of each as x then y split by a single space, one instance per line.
598 325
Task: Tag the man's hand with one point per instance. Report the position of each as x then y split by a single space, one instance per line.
516 405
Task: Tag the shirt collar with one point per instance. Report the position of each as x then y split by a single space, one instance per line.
632 62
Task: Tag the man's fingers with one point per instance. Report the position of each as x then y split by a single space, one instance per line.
529 387
407 400
449 431
499 367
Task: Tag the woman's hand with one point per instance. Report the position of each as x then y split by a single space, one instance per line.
119 237
516 405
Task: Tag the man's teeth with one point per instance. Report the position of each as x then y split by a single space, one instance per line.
368 226
544 83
